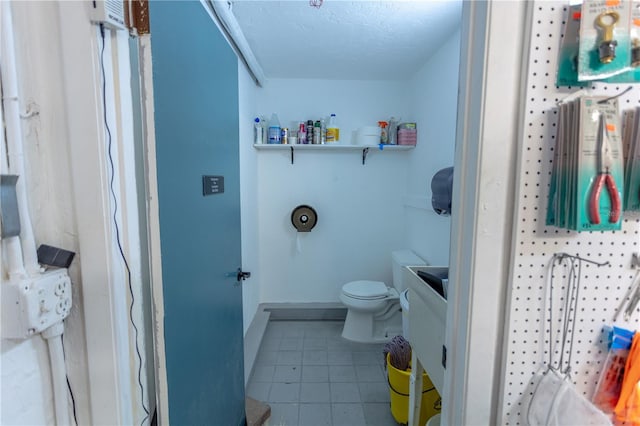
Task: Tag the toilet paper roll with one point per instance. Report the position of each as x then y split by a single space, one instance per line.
304 218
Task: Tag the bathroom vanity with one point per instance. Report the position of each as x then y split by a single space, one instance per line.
427 315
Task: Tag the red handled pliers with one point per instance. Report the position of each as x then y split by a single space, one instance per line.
604 178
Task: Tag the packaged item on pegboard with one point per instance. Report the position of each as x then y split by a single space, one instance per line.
635 35
568 57
600 167
562 206
613 56
628 406
609 385
605 45
632 76
631 143
587 177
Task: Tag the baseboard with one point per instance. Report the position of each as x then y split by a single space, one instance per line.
252 340
305 311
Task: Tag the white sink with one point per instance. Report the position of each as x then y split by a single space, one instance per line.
427 319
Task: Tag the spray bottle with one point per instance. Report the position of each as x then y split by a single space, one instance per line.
384 136
309 132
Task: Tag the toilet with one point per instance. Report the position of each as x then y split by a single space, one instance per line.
373 309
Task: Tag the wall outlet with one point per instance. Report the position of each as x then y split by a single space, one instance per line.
35 304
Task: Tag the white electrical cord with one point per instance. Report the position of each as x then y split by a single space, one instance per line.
53 336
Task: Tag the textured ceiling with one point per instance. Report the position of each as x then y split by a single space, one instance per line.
350 40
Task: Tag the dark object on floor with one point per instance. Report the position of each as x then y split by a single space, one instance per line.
257 412
54 256
399 351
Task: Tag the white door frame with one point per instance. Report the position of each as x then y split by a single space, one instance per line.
114 395
494 35
489 116
153 212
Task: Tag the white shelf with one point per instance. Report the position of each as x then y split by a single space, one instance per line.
330 147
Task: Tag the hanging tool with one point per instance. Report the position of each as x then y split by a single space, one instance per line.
604 178
633 304
633 290
555 399
607 21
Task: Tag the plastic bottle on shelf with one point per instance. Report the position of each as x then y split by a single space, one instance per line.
274 129
257 131
302 134
333 131
384 136
393 131
265 129
309 132
316 133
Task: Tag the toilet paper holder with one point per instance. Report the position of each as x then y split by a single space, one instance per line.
304 218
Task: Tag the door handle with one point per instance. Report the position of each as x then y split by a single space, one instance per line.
239 275
242 275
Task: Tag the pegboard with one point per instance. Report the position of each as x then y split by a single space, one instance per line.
534 243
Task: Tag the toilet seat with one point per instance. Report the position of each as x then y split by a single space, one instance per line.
366 290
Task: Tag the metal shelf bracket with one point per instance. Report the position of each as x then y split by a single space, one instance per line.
365 151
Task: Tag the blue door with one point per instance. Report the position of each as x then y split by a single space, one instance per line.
195 83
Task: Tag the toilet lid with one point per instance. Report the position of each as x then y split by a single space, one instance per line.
366 289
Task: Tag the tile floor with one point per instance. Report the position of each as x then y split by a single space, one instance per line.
311 376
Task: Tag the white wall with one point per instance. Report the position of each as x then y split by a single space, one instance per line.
247 92
26 378
364 212
360 211
66 169
434 91
356 103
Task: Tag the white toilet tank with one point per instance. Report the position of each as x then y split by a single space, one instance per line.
399 259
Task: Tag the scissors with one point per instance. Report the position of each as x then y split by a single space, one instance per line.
604 178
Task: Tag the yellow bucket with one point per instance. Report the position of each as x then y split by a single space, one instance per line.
399 391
